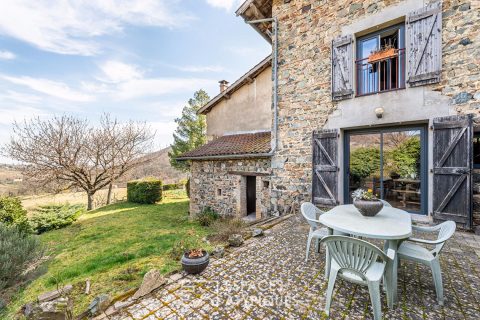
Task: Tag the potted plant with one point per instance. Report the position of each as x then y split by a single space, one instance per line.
194 261
385 52
366 202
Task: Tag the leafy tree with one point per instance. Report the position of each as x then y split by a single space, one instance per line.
191 129
407 157
12 213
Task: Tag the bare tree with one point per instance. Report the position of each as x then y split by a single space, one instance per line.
65 152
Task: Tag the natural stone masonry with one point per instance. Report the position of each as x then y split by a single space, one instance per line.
269 279
306 29
221 185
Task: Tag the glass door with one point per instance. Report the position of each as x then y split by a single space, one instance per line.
391 162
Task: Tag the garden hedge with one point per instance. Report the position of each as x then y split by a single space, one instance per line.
146 191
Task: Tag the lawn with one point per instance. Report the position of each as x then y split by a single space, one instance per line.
114 247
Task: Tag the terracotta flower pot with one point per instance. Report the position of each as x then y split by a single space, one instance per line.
195 265
368 208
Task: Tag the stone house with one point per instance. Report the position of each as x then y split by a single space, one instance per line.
231 173
373 94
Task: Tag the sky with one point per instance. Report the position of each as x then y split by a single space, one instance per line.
135 59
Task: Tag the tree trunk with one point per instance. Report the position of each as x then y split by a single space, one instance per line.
90 201
109 194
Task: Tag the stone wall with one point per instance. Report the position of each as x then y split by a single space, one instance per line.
306 29
221 185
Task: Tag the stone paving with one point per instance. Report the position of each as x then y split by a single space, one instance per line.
268 278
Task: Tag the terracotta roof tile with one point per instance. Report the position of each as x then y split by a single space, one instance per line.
232 145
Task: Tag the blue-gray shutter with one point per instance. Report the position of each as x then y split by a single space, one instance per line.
324 167
424 45
342 68
452 169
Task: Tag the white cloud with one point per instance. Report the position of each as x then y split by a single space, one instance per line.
223 4
19 113
215 68
20 97
116 71
139 88
7 55
70 27
51 88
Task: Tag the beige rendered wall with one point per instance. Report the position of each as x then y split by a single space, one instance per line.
248 109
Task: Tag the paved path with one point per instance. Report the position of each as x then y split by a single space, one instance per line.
269 279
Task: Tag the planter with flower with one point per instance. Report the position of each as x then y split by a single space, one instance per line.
384 53
366 202
194 261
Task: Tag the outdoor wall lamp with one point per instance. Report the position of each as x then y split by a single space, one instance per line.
379 112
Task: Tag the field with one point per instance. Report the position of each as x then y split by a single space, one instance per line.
114 247
31 202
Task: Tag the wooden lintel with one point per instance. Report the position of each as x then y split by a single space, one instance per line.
246 173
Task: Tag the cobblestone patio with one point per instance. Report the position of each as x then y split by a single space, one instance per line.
269 279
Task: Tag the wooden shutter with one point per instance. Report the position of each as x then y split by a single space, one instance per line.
342 68
325 168
424 45
452 168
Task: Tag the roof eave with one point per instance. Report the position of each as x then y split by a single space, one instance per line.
237 84
228 156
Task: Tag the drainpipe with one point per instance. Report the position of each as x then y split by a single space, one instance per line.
274 22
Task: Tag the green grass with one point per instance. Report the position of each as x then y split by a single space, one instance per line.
113 247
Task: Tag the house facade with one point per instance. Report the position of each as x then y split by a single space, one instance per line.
231 173
373 94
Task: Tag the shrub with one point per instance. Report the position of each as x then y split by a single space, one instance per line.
207 216
17 251
144 191
172 186
224 227
364 162
13 214
50 217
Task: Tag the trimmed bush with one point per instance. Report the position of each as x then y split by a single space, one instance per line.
172 186
17 251
13 214
50 217
207 216
146 191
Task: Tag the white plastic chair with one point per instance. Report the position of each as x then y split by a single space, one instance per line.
356 261
311 213
430 258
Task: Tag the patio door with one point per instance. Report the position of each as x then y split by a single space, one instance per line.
391 162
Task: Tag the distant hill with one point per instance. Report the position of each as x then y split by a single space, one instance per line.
157 165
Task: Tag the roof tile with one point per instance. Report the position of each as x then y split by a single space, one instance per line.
237 144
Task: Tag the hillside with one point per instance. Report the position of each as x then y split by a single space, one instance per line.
157 165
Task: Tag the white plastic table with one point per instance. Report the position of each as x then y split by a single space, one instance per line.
390 224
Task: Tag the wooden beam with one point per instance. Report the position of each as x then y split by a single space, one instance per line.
246 173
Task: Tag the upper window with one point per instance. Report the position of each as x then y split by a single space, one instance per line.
380 64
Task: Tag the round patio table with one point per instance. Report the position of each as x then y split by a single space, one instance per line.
390 224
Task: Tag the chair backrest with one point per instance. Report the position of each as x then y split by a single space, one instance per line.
445 231
309 212
352 254
386 204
